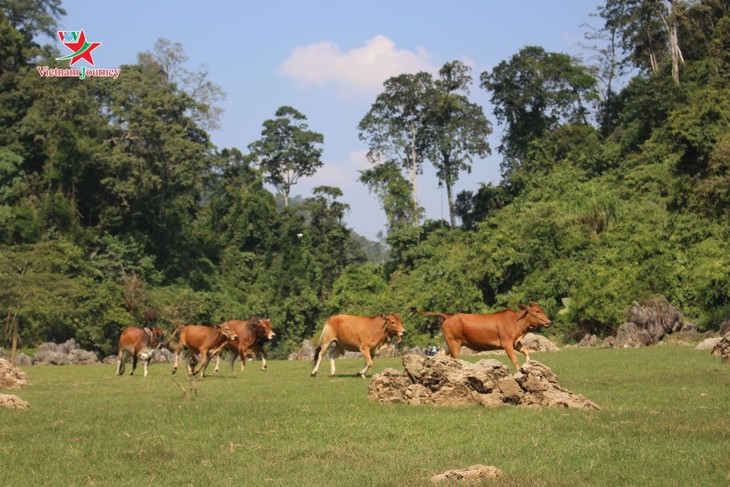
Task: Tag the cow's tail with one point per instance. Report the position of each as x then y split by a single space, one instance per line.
316 353
431 313
172 337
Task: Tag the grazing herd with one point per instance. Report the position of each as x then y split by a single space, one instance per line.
365 334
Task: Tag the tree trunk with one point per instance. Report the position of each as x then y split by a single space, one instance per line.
450 198
14 346
670 23
413 174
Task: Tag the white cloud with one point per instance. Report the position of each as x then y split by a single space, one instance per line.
362 69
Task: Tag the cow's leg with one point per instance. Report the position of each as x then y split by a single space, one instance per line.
191 360
263 360
511 354
146 365
242 356
121 357
232 356
204 361
323 347
217 364
520 347
368 361
175 362
336 351
134 363
454 347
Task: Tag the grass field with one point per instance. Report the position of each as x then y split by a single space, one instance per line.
665 420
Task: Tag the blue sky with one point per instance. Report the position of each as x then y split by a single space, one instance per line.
328 60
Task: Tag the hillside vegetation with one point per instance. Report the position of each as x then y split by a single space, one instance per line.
117 210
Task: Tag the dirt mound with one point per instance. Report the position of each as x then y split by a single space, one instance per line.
467 474
8 401
445 381
11 376
722 348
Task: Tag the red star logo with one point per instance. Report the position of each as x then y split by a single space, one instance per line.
81 49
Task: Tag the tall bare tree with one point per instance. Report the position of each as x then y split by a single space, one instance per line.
394 125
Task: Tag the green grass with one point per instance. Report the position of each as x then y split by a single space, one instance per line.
665 421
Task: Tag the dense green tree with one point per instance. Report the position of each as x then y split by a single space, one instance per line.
33 17
287 150
534 92
456 129
155 158
394 193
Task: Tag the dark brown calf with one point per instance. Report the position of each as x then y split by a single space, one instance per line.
252 336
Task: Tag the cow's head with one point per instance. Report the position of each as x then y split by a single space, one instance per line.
264 330
157 337
394 326
535 315
227 331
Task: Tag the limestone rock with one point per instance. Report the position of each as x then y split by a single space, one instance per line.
722 349
444 381
629 335
538 343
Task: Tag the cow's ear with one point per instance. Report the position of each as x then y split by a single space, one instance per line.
522 306
523 314
147 330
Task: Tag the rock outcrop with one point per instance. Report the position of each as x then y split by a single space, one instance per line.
445 381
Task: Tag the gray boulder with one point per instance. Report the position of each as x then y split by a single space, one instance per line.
589 341
629 335
538 343
49 357
722 349
657 317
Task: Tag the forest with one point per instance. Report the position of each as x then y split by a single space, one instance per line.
117 210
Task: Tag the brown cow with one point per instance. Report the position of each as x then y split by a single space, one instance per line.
363 334
139 344
252 336
502 329
205 340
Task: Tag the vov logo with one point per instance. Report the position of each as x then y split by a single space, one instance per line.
75 41
80 47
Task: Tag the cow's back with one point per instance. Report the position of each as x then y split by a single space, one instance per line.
132 338
481 329
351 331
197 336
